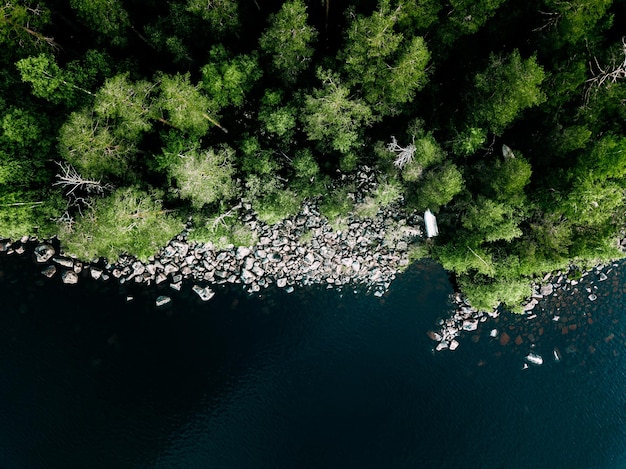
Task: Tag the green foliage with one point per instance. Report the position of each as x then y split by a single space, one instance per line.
606 160
575 19
223 230
45 77
387 68
505 89
182 105
93 148
467 16
332 117
438 187
427 153
107 17
222 16
305 166
128 221
277 119
288 40
205 176
469 141
507 179
21 26
489 220
337 204
487 295
126 103
277 206
28 212
227 81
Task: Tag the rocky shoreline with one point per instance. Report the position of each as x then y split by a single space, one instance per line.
466 319
301 250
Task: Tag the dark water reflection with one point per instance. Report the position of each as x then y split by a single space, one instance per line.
317 378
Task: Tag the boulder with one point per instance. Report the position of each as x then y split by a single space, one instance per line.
64 262
69 277
470 324
547 289
163 300
204 293
242 252
49 271
247 277
454 344
43 253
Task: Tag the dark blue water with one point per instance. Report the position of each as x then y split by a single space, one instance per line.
313 379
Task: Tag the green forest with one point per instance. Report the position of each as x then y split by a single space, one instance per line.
123 120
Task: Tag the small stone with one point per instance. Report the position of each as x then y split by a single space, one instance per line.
49 271
64 262
163 300
592 297
281 282
434 336
43 253
242 252
493 333
69 277
454 344
176 286
602 277
204 293
247 277
547 289
470 325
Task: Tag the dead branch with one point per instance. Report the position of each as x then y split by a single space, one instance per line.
404 155
610 73
70 179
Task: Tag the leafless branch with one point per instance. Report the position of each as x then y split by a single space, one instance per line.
70 179
608 74
404 155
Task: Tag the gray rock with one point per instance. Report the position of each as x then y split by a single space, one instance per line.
454 344
470 324
281 282
176 286
547 289
275 257
592 297
163 301
205 294
64 262
95 273
49 271
242 252
43 253
247 277
69 277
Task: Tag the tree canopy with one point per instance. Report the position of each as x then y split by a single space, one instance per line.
181 109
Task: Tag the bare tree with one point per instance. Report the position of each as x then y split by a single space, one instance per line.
404 155
70 179
615 70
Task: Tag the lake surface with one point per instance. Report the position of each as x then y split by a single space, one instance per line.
316 378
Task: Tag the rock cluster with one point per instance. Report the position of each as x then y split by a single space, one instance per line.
465 318
357 254
302 250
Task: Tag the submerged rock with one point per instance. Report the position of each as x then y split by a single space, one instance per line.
205 294
163 300
534 358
